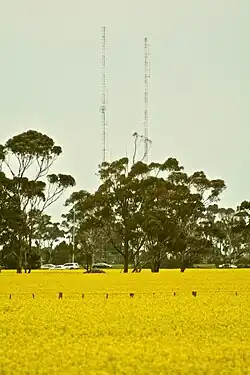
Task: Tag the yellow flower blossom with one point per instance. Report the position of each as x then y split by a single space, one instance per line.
151 332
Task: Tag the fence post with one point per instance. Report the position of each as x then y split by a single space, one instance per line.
194 293
131 295
107 296
60 296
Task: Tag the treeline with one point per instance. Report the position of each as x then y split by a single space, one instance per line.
144 215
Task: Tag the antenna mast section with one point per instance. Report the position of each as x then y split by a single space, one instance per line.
103 106
146 86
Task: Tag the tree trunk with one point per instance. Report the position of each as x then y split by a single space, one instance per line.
184 265
126 253
136 261
19 265
136 270
29 266
28 261
125 268
25 262
88 258
19 258
155 267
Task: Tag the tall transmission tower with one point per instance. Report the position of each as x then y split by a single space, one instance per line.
103 106
147 75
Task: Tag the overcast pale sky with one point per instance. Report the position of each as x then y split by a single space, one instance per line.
199 87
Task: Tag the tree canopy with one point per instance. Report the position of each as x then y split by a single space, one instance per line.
143 215
27 190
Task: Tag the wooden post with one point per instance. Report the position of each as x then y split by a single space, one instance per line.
60 296
131 295
10 296
33 295
194 293
107 296
82 295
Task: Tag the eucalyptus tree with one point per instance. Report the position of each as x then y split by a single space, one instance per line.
116 207
27 159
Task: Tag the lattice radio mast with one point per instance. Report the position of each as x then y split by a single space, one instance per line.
103 106
146 98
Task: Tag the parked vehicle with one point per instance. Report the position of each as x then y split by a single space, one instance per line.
59 267
227 266
71 266
47 266
101 265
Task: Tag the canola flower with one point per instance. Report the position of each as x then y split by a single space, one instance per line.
155 332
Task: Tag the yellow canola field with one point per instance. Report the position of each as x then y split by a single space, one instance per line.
153 332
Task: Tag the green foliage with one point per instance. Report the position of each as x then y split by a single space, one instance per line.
32 144
148 212
23 198
62 253
148 215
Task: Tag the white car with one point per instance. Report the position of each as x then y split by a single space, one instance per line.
71 266
101 265
59 267
47 267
